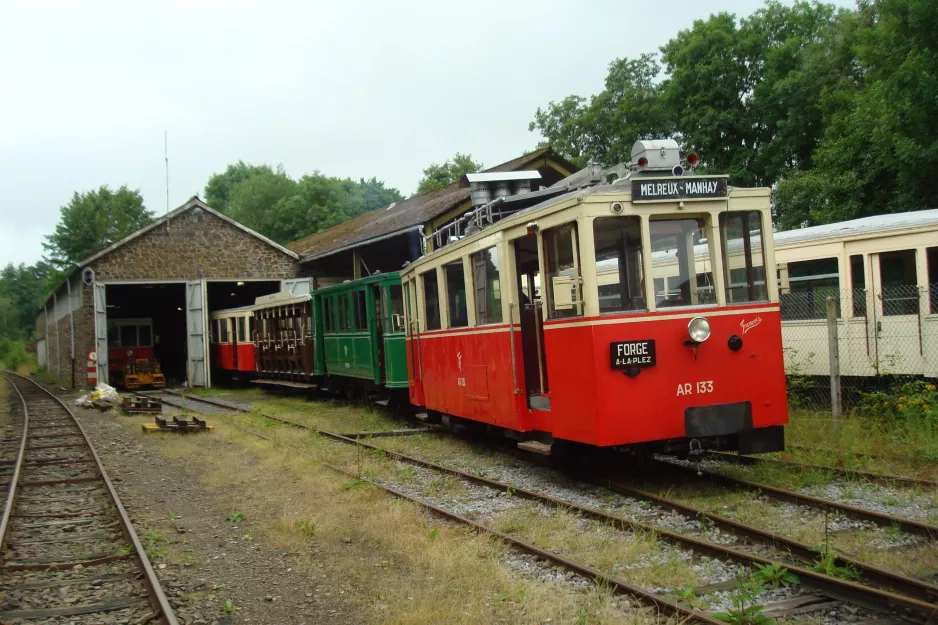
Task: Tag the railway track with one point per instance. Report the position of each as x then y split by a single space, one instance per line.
69 551
877 589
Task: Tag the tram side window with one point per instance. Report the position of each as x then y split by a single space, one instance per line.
213 327
224 330
681 262
619 269
858 285
251 328
811 282
129 336
329 314
241 335
487 286
343 312
395 308
360 312
561 249
144 336
456 295
407 309
900 282
743 259
431 300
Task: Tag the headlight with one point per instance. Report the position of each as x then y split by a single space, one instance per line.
698 329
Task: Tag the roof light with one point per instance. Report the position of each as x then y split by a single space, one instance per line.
692 159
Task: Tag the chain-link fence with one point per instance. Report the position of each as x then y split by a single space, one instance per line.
874 344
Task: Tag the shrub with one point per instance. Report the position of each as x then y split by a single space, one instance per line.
910 402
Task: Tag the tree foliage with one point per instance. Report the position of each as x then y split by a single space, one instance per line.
436 176
837 110
266 199
22 289
92 221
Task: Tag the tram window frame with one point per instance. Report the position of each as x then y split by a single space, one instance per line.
899 297
487 289
342 312
251 337
858 284
659 233
552 247
809 286
128 332
630 288
931 265
241 329
223 332
752 287
457 309
407 311
359 311
394 307
432 320
149 335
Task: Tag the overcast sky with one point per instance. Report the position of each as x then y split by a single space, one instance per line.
347 88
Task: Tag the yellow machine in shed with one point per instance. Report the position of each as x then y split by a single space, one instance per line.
143 372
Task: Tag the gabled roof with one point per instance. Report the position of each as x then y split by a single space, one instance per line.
191 204
194 202
406 215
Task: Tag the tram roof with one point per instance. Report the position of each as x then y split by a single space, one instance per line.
859 227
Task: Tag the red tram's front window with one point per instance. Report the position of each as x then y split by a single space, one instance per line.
682 264
743 258
620 273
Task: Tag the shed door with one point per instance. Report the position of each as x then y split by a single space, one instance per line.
100 330
196 322
297 286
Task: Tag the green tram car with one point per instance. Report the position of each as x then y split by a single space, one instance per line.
343 338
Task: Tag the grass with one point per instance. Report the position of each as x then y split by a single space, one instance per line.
397 564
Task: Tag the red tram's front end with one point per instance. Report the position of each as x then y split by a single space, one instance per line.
642 313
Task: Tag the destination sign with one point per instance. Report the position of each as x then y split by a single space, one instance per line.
678 189
624 354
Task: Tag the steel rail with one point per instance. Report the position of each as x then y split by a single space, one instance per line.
883 520
157 597
917 601
849 473
14 479
663 604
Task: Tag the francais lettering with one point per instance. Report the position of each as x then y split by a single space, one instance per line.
695 388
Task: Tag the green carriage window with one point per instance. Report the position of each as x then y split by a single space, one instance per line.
360 312
395 308
487 286
431 300
342 312
456 295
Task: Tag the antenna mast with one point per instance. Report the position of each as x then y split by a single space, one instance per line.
166 159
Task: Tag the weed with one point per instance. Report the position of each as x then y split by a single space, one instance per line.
235 517
306 528
353 483
230 607
827 564
247 537
154 538
174 517
745 610
217 586
690 597
510 492
774 575
433 534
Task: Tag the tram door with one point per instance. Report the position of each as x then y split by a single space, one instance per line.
532 323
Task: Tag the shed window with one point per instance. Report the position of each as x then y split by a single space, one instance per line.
743 260
811 282
561 250
858 285
456 295
487 285
431 300
900 282
619 270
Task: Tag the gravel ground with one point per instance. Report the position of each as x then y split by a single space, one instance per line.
265 584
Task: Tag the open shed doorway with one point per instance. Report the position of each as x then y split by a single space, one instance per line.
231 351
223 295
147 321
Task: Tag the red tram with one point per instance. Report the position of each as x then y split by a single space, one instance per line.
623 314
638 313
128 340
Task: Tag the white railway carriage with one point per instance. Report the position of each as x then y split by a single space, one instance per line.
884 272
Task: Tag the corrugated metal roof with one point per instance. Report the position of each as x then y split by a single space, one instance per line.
403 216
857 227
498 176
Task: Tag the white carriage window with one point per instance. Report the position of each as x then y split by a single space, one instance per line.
487 286
562 262
681 259
810 283
900 282
242 337
395 309
858 284
932 259
213 328
743 258
129 336
619 270
456 295
145 336
251 328
408 311
431 300
224 331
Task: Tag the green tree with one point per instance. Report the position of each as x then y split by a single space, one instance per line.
436 176
218 188
92 221
250 201
22 289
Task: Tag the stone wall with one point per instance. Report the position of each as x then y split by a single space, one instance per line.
196 245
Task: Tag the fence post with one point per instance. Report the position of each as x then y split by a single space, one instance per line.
834 352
